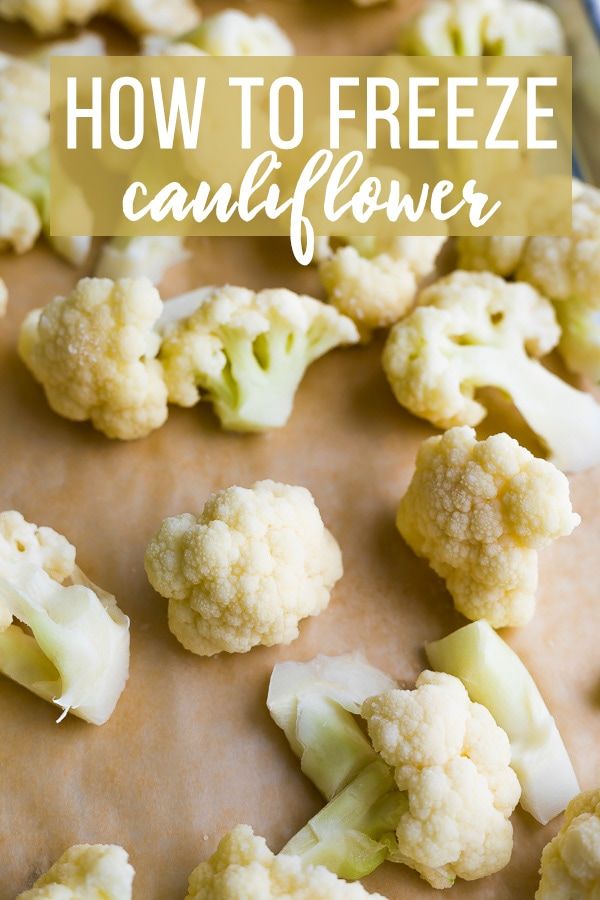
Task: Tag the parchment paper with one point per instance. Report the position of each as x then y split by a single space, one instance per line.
191 750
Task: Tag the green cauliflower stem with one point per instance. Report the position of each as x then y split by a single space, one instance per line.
246 352
474 330
494 675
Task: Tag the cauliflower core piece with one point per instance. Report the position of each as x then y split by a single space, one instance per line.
246 352
243 867
94 353
571 861
479 511
170 17
86 872
454 761
482 28
375 281
246 570
565 269
76 650
476 330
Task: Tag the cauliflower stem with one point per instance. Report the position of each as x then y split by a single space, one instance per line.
494 675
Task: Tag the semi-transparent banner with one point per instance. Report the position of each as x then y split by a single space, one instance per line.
310 146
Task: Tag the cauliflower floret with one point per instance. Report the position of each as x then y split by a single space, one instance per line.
375 281
86 872
243 867
75 649
571 861
235 33
94 353
482 28
24 108
246 570
454 761
479 511
169 17
475 330
20 223
246 352
137 256
565 269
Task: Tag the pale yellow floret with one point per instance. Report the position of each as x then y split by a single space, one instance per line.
86 872
20 223
24 107
246 570
94 353
570 868
170 17
233 32
243 867
479 511
454 761
374 281
482 28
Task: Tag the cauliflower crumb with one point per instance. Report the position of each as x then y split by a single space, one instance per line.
571 861
86 872
246 570
482 28
479 511
244 867
375 281
94 353
454 761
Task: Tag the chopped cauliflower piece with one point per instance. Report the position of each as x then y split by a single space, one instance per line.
482 28
150 257
94 353
233 32
246 352
86 872
565 269
570 868
75 651
374 281
454 762
244 867
494 675
20 223
479 511
246 570
475 330
314 703
24 108
169 17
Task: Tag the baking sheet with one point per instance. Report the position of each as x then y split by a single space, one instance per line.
191 750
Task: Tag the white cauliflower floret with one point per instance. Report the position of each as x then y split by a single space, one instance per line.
246 570
246 352
24 108
86 872
479 511
94 353
374 281
571 861
475 330
169 17
565 269
20 223
74 649
133 257
244 867
235 33
454 762
482 28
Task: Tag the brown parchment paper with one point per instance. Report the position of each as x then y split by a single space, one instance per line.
191 750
